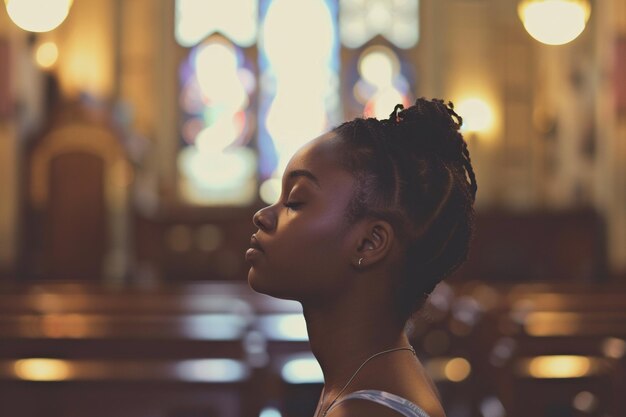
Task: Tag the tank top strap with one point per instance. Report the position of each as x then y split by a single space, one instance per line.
387 399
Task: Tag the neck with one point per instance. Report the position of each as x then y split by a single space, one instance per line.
343 337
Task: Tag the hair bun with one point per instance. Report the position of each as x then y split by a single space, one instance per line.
431 126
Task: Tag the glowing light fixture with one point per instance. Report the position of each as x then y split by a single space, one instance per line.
554 22
38 15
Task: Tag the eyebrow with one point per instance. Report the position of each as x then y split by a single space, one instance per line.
304 173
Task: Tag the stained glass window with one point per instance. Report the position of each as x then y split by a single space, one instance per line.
381 83
215 165
395 20
198 19
299 63
262 77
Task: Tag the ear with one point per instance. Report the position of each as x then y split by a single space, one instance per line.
374 243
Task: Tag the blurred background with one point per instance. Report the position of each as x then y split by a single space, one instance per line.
138 137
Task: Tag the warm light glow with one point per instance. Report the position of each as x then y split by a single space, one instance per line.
302 370
41 369
448 369
554 22
550 323
86 64
38 15
559 366
383 102
197 19
378 66
477 115
46 55
457 369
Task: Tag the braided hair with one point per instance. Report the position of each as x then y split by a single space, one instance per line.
414 170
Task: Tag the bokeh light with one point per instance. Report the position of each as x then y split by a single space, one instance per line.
559 366
38 15
477 115
217 168
448 369
396 20
197 19
302 370
300 96
212 370
42 369
382 85
554 22
269 191
46 55
378 65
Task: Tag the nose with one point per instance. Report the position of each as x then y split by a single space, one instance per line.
264 219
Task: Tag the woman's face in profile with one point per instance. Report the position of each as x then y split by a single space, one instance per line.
303 239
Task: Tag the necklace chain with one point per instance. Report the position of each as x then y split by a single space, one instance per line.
354 375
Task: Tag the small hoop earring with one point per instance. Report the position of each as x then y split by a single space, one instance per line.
360 261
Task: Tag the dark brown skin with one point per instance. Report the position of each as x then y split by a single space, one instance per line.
310 254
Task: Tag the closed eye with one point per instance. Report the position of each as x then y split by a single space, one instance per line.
293 205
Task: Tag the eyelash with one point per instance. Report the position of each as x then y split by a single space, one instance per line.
292 206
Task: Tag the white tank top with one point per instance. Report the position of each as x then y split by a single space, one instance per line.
387 399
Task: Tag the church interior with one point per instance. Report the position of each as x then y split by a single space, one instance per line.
123 224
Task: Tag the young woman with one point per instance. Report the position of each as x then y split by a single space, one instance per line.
371 217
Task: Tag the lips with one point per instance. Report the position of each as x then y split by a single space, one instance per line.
255 244
255 251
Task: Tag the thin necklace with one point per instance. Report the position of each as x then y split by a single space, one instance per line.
354 375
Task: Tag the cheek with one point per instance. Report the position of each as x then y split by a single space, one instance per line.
322 237
307 258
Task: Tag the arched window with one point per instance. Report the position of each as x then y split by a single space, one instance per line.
262 77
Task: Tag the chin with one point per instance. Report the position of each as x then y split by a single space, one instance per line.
263 286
